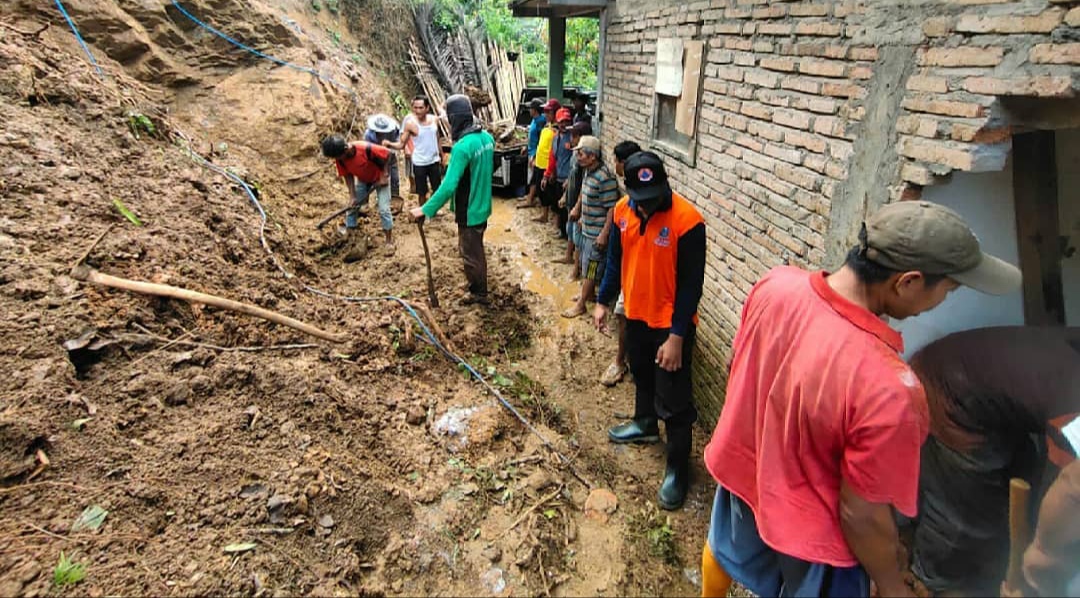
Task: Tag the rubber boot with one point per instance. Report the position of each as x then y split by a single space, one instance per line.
642 430
672 492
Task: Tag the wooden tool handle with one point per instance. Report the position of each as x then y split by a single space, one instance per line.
1019 531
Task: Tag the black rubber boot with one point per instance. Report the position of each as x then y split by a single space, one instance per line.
673 490
641 430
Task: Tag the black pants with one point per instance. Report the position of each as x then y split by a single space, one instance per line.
962 531
660 393
427 178
471 247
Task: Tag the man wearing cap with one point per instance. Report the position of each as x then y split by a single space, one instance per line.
543 157
380 128
558 169
571 193
599 194
467 186
819 437
996 396
657 258
536 125
364 167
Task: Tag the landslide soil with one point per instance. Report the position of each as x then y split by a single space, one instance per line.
375 466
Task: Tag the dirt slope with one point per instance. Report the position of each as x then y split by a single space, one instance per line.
336 461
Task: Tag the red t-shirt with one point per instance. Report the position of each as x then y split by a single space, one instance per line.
817 394
366 164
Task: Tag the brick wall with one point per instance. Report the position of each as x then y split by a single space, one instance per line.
814 111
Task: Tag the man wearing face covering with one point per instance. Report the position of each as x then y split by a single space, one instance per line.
467 186
657 258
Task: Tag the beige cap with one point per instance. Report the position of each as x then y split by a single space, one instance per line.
588 142
930 238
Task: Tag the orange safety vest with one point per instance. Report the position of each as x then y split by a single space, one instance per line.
649 258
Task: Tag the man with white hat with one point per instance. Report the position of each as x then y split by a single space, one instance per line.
381 127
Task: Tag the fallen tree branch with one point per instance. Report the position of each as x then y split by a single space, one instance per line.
22 32
529 511
323 222
433 323
87 274
247 349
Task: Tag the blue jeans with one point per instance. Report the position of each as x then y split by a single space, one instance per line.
382 197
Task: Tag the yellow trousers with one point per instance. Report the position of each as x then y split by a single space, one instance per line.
715 582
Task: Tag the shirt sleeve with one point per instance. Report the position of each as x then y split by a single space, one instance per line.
689 278
608 192
881 454
611 284
449 184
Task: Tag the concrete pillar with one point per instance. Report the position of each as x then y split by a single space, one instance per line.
556 57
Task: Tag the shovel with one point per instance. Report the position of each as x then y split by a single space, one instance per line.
432 298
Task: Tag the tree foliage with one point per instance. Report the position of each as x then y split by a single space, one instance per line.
529 37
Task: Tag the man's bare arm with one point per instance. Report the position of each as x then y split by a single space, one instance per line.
870 531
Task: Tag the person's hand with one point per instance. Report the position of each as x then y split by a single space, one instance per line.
669 356
1009 592
575 214
524 150
600 243
386 143
600 313
417 214
544 183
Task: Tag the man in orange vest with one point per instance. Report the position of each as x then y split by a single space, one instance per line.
657 259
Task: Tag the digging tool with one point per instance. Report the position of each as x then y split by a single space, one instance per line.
432 298
1019 533
323 222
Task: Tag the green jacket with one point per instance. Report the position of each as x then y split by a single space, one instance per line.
472 158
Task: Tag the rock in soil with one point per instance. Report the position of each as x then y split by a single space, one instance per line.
416 415
601 504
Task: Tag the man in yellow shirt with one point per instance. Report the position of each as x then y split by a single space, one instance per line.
543 155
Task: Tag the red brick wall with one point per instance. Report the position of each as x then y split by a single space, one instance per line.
783 102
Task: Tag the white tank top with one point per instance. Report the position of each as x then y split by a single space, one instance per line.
426 146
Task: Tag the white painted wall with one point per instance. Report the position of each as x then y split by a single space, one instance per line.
985 200
1068 167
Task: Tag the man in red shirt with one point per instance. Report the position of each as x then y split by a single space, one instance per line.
366 168
819 437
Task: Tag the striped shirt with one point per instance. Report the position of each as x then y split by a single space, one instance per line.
599 193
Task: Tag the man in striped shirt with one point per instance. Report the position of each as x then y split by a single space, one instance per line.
599 194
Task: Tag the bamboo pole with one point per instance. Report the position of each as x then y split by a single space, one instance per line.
87 274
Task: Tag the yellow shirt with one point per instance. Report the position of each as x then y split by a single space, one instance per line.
543 149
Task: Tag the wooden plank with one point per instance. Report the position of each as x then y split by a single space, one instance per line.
1037 229
686 108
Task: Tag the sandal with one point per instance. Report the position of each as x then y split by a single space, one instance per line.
613 374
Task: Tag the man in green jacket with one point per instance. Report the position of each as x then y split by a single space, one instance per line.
467 186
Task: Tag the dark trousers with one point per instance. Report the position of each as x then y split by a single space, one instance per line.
471 247
395 181
659 393
428 178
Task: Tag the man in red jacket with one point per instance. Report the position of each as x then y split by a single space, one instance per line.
366 168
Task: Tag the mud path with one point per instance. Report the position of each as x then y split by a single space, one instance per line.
371 467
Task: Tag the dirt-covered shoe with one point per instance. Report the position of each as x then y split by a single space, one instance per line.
645 430
613 374
473 299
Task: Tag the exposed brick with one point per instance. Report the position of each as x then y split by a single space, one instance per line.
735 121
778 64
1072 19
928 84
1046 86
1055 53
821 105
761 78
962 56
1044 22
966 157
828 125
790 118
806 9
756 111
774 29
765 130
823 28
860 72
937 26
979 133
822 68
945 107
730 73
800 84
782 153
762 47
843 90
776 11
774 184
870 54
799 176
749 142
727 28
744 58
810 142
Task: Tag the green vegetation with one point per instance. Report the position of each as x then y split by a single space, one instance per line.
529 37
67 572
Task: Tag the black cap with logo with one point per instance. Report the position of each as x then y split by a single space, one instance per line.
646 179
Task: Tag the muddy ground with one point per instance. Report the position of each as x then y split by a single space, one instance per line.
228 459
